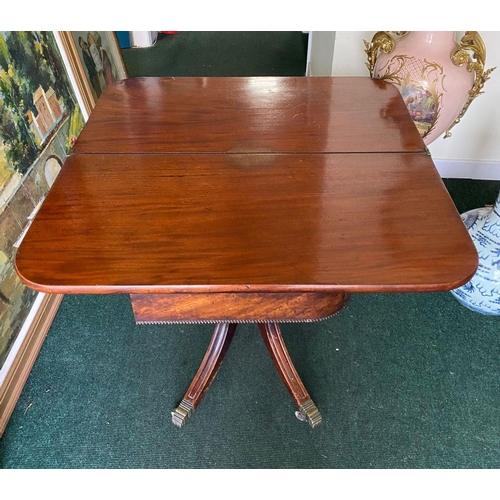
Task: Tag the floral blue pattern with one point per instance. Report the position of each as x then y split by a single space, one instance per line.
482 293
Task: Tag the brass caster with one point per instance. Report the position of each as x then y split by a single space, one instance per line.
182 413
308 412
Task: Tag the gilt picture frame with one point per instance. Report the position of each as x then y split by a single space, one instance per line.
96 61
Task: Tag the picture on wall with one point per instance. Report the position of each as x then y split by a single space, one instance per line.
96 61
39 121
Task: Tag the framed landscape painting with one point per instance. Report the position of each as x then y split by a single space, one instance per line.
40 120
96 61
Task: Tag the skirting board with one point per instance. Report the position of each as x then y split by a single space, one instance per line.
468 169
25 357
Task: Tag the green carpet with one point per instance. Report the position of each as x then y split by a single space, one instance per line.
402 381
221 53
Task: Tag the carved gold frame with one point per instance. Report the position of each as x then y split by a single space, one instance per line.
76 66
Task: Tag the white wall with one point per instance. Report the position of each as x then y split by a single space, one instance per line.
321 44
473 150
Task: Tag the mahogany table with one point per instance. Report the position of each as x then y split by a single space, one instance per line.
262 200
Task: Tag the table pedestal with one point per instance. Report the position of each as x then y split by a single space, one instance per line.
261 308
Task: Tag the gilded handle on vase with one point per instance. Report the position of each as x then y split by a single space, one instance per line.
382 41
472 42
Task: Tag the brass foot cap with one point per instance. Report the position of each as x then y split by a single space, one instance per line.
182 413
308 412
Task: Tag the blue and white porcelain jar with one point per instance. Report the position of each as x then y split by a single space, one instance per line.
482 292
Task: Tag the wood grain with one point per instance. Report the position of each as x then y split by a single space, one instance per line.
275 344
235 307
206 373
211 363
250 115
247 223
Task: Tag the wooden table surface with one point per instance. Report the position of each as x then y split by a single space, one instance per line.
237 184
226 223
250 115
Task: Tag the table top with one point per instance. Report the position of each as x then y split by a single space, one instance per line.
247 184
159 223
250 115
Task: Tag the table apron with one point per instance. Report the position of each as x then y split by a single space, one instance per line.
251 307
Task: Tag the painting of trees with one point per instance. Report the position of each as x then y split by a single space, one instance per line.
28 60
39 122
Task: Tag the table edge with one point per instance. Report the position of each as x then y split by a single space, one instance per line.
274 288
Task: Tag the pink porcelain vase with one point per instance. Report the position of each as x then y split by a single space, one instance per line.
435 90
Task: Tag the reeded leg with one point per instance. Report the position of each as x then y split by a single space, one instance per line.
206 373
276 347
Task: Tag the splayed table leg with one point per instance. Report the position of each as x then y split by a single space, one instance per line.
307 411
206 373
